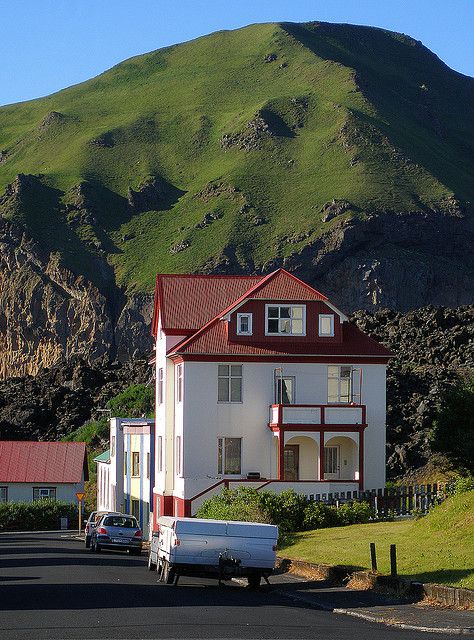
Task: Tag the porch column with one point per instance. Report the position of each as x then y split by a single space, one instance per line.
321 455
281 454
361 459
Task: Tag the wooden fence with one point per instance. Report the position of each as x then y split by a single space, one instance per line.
400 501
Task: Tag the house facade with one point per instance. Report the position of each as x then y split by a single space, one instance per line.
34 470
262 380
125 473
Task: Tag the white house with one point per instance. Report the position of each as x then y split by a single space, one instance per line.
125 472
34 470
262 380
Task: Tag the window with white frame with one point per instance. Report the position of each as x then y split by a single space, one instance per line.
148 465
339 384
244 324
179 383
284 320
135 463
284 391
159 395
159 454
179 457
229 383
125 463
112 449
229 456
3 494
41 493
326 324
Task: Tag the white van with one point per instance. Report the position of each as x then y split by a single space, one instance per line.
199 547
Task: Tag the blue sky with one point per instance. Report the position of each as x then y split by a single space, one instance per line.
46 45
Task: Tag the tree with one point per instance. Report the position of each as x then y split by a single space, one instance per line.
453 428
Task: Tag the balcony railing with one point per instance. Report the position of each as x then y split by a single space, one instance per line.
317 414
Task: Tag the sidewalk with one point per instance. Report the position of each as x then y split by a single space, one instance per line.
374 607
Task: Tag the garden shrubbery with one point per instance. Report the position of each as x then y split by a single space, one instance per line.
40 515
289 510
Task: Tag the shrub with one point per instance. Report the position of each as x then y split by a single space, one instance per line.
286 509
320 516
462 485
234 504
36 516
355 513
136 401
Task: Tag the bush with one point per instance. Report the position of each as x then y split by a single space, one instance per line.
286 509
234 504
462 485
355 513
320 516
135 402
39 515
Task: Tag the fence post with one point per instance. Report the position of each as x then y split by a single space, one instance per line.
393 560
373 557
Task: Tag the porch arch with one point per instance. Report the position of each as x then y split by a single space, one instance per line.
308 456
348 455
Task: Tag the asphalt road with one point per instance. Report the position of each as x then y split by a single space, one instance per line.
52 587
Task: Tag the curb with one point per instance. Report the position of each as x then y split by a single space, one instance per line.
372 618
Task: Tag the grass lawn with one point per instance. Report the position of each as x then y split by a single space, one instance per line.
438 548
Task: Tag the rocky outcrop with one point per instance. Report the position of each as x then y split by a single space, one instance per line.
434 350
60 399
46 312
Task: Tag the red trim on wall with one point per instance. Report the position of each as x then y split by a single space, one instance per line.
182 507
321 456
353 428
361 460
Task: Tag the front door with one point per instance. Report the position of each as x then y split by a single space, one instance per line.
331 463
292 461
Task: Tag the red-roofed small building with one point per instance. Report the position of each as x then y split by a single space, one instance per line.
34 470
261 380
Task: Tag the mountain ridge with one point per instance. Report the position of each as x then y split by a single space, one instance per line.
344 153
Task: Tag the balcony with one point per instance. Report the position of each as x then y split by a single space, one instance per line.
317 415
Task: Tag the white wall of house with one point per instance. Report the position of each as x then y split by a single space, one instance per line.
104 493
202 419
23 491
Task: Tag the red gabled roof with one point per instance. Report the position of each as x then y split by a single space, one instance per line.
187 302
48 462
214 341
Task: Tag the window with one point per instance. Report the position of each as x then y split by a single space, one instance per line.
147 465
159 395
179 383
159 454
40 493
284 389
229 383
135 509
285 320
3 494
125 463
229 456
179 457
339 384
135 463
112 448
244 324
331 460
326 325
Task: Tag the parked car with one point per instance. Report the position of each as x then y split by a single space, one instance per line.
199 547
117 531
90 524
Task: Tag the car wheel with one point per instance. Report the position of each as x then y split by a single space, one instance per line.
92 546
134 552
97 548
151 565
254 580
88 542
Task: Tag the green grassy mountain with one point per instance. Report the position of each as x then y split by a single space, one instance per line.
246 149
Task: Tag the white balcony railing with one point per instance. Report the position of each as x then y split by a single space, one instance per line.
319 414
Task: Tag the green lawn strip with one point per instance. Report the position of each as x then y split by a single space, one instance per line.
438 548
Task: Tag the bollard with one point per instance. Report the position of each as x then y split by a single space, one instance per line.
373 557
393 560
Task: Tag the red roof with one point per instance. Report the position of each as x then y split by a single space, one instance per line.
58 462
187 302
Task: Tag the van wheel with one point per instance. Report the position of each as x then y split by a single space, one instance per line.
151 565
254 580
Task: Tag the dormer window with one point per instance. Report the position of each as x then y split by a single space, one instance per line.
285 320
244 324
326 325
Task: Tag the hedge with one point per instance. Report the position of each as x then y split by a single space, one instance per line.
289 510
40 515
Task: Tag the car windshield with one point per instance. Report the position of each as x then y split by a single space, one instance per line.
120 521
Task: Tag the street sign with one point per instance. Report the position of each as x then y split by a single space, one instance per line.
80 496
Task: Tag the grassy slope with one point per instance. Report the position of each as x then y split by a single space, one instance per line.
167 110
438 548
